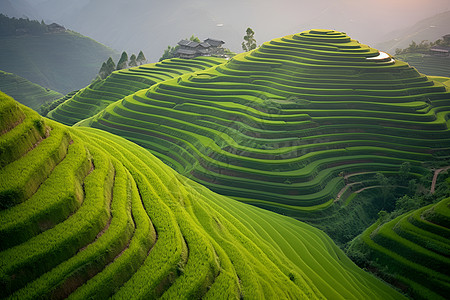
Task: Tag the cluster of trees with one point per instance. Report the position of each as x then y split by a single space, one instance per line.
124 62
14 26
424 46
417 193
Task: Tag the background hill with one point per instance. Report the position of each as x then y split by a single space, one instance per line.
26 92
151 25
91 214
429 29
62 61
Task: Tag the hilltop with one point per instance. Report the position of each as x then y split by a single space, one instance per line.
58 59
87 214
26 92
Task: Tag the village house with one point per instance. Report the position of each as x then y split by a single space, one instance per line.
191 49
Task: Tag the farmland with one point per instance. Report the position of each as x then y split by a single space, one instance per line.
94 98
293 125
26 92
85 213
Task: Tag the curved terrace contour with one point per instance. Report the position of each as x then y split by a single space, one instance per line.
282 126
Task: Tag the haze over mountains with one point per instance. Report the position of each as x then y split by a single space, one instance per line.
151 25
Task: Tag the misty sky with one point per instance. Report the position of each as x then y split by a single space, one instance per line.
151 25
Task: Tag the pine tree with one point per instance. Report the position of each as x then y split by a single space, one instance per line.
133 62
141 58
123 61
103 73
111 66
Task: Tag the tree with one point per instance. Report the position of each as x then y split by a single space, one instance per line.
122 64
111 66
141 58
249 42
133 62
195 39
103 73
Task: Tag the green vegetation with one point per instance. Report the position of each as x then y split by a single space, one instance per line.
92 99
249 42
420 57
298 126
409 247
99 216
59 60
26 92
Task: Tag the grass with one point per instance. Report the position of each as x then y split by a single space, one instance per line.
137 229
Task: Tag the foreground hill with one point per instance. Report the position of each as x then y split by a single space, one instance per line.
26 92
94 98
411 250
61 60
294 125
88 214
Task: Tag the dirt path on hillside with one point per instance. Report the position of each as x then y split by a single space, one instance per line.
436 173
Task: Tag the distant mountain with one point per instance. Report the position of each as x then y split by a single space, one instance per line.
151 25
19 9
61 60
430 29
26 92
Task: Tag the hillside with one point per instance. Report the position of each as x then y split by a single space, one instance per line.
297 126
411 250
26 92
94 98
62 61
89 214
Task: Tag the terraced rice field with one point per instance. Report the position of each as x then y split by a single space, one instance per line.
414 248
282 126
94 98
26 92
430 65
87 214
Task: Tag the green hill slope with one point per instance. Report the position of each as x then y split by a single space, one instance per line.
412 250
89 214
61 61
291 124
26 92
119 84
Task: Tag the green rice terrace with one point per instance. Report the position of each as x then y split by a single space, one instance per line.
87 214
121 83
411 250
428 64
299 126
26 92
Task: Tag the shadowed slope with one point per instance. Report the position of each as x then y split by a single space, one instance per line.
88 214
280 126
26 92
